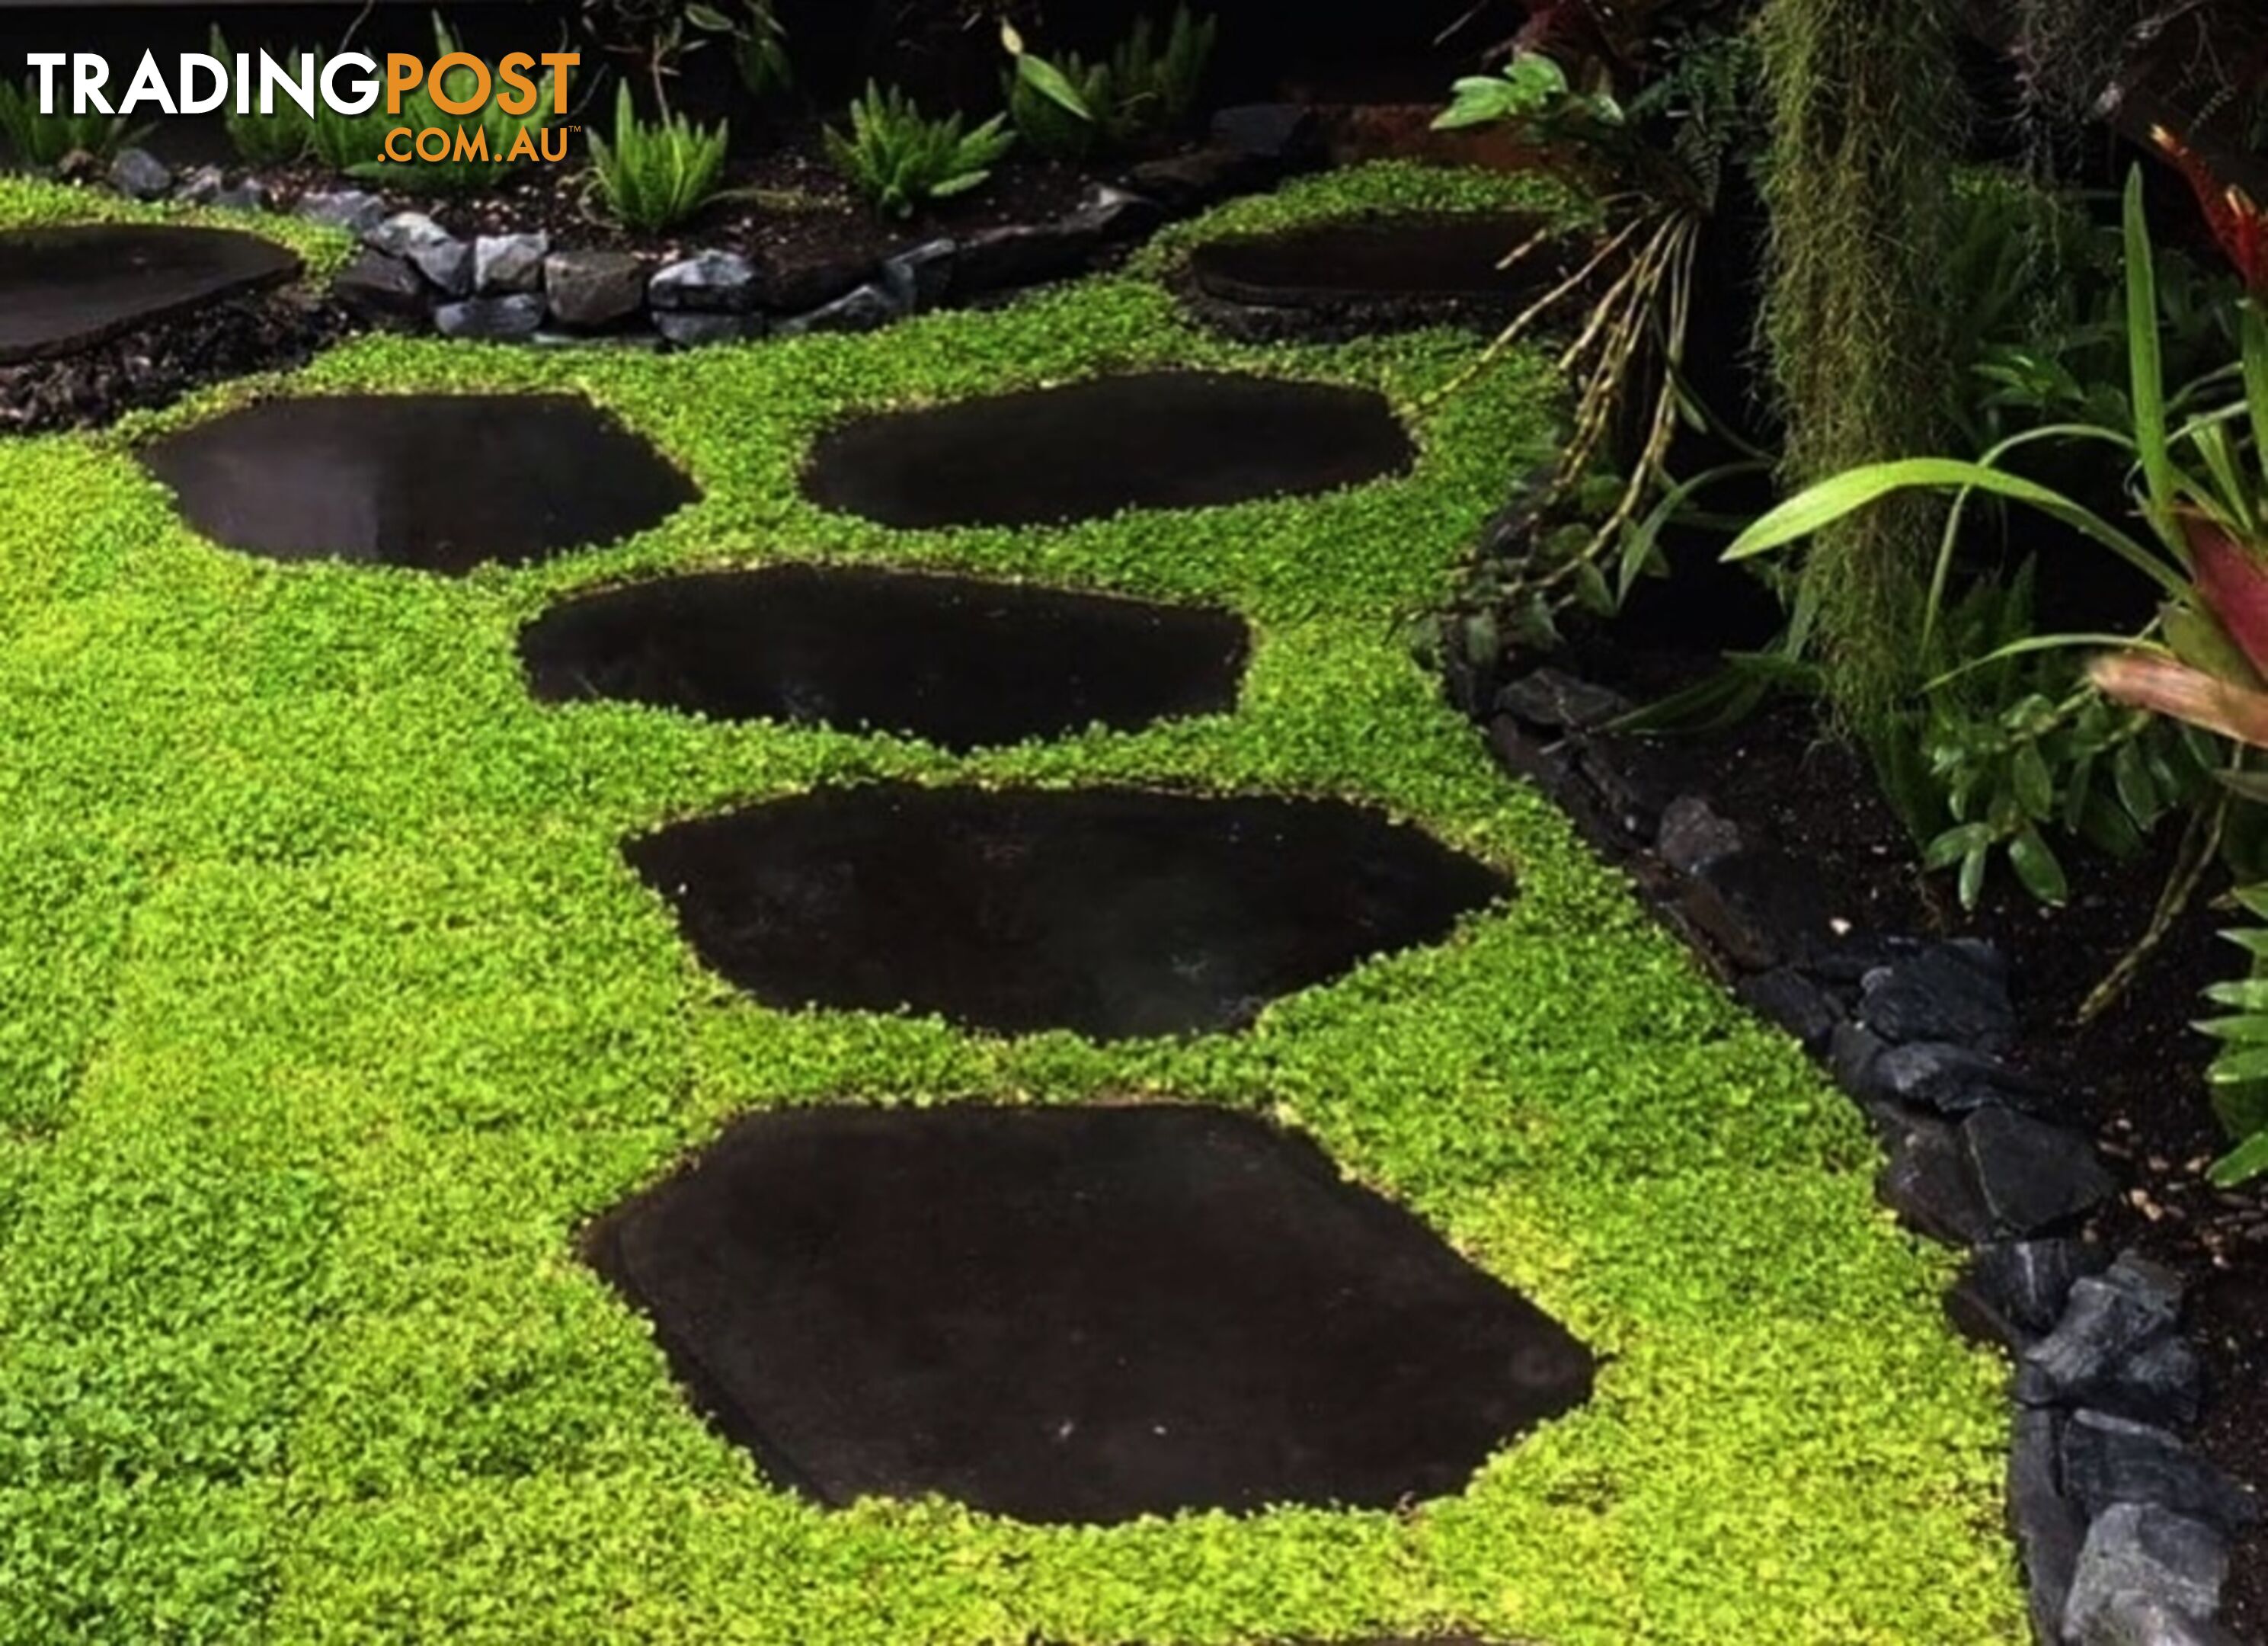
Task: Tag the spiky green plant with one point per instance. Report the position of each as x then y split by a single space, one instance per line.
275 138
657 173
1156 85
41 140
898 158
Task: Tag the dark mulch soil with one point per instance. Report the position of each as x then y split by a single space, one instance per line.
785 207
99 320
1190 440
960 662
439 482
1078 1315
63 290
1113 913
2135 1073
152 367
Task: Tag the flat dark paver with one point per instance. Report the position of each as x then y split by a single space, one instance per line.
1328 265
1158 440
63 289
440 483
1078 1315
963 663
1113 913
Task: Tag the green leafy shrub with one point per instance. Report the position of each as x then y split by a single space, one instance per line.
1531 86
41 141
1058 109
275 138
658 173
1154 87
897 158
1066 108
758 40
2202 663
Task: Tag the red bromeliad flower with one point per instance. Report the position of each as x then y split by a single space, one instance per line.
2235 217
2232 589
2232 585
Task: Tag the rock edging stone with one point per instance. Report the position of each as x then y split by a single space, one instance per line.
2124 1528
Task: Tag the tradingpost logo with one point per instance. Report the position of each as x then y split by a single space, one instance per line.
449 97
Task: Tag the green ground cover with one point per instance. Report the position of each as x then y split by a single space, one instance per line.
328 1013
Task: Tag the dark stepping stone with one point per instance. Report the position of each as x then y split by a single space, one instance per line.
1418 261
63 290
1165 440
1078 1315
1113 912
962 663
440 483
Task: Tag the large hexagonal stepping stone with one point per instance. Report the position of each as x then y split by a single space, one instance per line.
1162 440
439 482
63 289
963 663
1078 1315
1407 269
1115 913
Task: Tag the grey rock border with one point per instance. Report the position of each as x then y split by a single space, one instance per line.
2124 1528
412 275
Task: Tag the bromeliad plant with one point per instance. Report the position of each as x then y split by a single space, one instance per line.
2200 463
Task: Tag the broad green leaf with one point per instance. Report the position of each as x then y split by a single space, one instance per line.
2244 994
1834 499
2034 783
1050 82
1971 885
2038 867
1955 844
2146 363
2247 1161
2248 1030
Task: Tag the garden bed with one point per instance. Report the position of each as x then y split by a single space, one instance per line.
345 1018
2130 1078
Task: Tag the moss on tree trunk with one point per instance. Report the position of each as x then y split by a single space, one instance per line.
1867 121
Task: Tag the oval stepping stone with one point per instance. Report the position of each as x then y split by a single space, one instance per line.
1115 913
439 482
1367 261
63 289
1078 1315
963 663
1162 440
